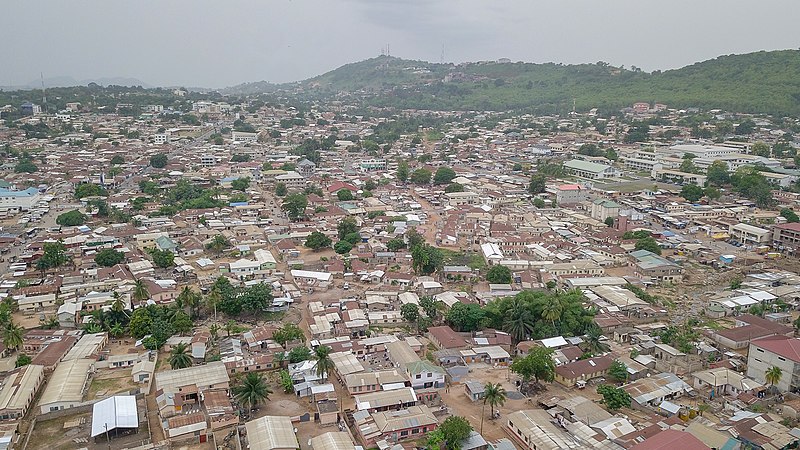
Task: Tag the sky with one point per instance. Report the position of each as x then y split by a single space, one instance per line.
219 43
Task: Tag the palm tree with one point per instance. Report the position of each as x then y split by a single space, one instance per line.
118 306
519 320
179 357
140 292
251 391
214 330
593 343
12 335
552 310
116 330
494 395
230 326
212 300
188 299
324 362
93 328
773 375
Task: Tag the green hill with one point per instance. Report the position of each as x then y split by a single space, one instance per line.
762 82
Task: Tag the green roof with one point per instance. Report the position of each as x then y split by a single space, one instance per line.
423 366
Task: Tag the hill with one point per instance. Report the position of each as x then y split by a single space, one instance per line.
761 82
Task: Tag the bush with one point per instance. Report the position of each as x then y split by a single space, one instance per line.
158 160
71 218
109 257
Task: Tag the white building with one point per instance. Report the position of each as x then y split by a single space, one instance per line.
12 201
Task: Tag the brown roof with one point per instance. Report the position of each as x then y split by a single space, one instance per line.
672 439
53 353
577 369
447 337
189 419
784 346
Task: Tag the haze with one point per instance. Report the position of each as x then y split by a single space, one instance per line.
217 44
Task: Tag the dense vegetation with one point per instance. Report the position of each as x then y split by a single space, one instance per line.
762 82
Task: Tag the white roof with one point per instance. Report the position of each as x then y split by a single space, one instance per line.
114 412
554 342
271 432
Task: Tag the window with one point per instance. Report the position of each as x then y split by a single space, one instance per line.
781 358
404 433
415 431
419 375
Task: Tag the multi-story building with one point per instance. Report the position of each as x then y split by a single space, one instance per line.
648 265
786 236
590 170
775 351
750 235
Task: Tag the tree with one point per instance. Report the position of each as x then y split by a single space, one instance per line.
789 215
430 306
426 259
12 335
518 320
609 222
162 258
402 171
299 354
619 371
345 227
241 157
537 365
773 375
181 322
240 184
453 187
317 241
687 165
158 160
108 257
353 238
452 432
465 317
344 195
179 356
410 313
499 275
295 206
712 193
537 184
84 190
286 382
23 360
54 255
614 397
746 127
342 247
287 333
649 244
395 245
443 175
324 363
717 173
421 176
692 193
760 149
493 395
281 190
72 218
218 243
252 390
140 292
593 341
25 166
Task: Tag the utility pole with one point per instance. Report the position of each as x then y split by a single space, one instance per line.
44 94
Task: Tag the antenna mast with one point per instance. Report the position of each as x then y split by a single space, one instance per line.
44 93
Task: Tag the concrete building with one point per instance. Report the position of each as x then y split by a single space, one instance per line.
656 269
786 236
570 194
750 235
590 170
13 201
775 351
66 386
18 390
602 209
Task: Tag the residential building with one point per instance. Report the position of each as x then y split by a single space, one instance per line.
590 170
18 389
656 269
775 351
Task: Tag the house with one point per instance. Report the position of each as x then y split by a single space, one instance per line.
474 390
651 392
671 439
724 381
363 382
602 209
656 269
775 351
582 370
425 375
443 337
66 386
534 429
183 387
271 433
412 422
18 389
590 170
385 400
748 328
332 440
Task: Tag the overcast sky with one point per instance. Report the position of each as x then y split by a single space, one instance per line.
225 42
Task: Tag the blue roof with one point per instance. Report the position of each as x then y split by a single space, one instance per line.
30 192
237 204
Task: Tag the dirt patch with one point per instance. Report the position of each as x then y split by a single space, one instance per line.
108 382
